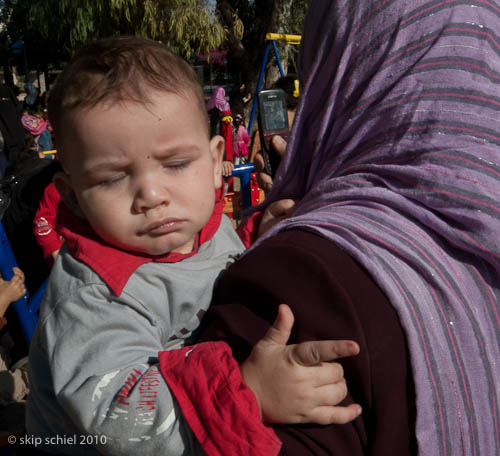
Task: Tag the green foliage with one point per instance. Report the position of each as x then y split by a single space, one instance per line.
264 16
186 25
193 29
297 16
53 29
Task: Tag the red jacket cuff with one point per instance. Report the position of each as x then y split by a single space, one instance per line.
220 409
249 228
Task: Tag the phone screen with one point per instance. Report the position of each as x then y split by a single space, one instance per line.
274 114
273 120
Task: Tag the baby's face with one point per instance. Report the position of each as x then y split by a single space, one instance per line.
144 176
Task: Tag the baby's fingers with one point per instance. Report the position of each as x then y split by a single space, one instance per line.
329 395
335 414
327 374
313 353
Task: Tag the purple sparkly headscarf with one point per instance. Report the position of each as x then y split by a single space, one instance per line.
395 157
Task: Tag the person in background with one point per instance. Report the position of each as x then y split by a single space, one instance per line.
290 85
241 140
11 130
38 128
32 98
28 181
220 120
45 142
14 385
45 223
394 166
240 96
26 176
46 139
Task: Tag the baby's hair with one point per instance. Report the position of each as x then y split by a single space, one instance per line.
121 68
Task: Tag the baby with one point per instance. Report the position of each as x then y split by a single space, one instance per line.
145 241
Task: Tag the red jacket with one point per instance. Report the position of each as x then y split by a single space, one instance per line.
44 223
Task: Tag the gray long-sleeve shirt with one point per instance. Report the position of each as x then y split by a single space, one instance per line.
94 371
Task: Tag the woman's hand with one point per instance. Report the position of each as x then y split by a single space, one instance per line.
274 213
265 180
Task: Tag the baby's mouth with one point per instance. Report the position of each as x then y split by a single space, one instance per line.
163 227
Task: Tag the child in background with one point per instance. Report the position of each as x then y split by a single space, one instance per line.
241 141
145 242
37 126
220 121
44 224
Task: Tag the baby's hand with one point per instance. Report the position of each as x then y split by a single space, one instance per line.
295 383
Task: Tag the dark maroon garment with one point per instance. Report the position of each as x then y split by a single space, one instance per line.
332 297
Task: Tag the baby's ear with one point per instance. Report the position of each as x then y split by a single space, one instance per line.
217 148
64 187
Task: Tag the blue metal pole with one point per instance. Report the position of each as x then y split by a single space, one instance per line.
7 261
277 54
36 299
259 84
244 172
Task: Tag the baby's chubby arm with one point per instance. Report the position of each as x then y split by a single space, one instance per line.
297 383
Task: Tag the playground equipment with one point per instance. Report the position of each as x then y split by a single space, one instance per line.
235 202
271 39
244 173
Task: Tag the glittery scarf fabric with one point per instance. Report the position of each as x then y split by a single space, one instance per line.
395 157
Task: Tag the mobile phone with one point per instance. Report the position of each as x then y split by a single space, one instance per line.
273 120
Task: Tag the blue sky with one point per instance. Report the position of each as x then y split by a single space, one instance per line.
211 3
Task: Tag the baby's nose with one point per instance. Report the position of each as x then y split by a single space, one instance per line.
150 194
